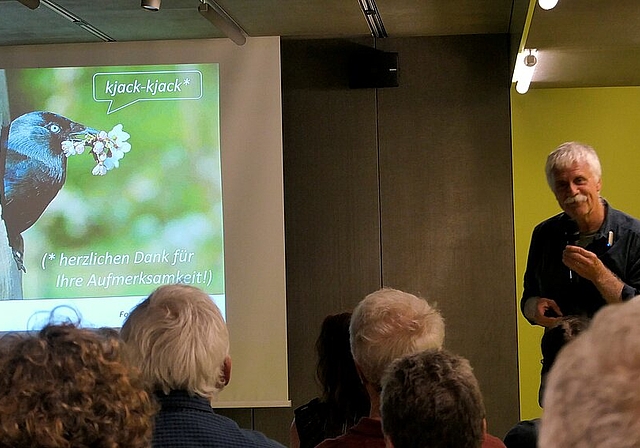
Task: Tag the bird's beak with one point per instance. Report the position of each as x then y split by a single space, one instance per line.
80 131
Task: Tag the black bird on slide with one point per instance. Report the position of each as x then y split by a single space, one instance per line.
35 170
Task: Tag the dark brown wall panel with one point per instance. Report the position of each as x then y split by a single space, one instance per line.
446 200
408 187
331 196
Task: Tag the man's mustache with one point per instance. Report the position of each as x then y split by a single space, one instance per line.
576 198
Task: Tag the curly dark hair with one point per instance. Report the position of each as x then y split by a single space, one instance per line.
68 387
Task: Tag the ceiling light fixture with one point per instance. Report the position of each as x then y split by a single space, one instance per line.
372 16
547 4
77 20
150 5
215 14
525 66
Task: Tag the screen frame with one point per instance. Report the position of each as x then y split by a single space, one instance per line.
252 184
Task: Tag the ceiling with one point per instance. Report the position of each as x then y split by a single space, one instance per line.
580 42
586 43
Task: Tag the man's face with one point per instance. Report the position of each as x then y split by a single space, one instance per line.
577 190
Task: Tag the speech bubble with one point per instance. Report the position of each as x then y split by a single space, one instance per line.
123 89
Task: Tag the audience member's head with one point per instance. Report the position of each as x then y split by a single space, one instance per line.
592 397
336 371
556 337
389 324
524 434
69 387
344 399
179 340
432 399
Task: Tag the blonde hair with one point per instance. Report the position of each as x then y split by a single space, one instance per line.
389 324
177 337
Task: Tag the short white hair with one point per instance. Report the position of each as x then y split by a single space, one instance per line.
568 154
389 324
592 396
177 337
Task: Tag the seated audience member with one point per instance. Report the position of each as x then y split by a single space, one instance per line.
69 387
385 325
344 399
556 337
432 399
592 396
180 342
525 433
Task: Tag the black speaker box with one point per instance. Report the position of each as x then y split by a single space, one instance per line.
372 69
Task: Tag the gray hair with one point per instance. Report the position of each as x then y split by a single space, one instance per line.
432 399
178 338
389 324
568 154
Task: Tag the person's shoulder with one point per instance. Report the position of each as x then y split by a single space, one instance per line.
347 441
625 220
313 408
315 402
523 435
255 439
551 224
248 438
336 442
492 442
187 427
366 434
311 422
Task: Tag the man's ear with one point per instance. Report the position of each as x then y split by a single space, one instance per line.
226 370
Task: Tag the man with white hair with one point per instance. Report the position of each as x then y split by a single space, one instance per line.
386 325
588 255
592 398
179 341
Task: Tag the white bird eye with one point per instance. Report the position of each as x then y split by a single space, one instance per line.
54 128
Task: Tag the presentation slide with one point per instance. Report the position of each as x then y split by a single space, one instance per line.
145 152
113 187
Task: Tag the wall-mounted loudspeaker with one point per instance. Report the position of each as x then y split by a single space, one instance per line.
373 68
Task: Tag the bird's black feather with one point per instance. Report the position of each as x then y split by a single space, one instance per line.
34 170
